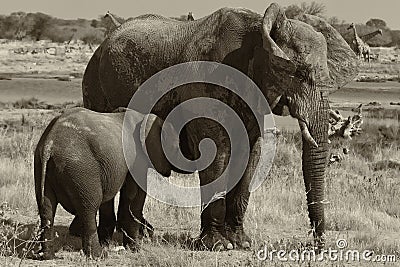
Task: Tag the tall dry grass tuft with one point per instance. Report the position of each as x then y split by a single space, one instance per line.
17 144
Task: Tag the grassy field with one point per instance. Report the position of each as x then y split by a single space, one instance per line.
363 204
363 189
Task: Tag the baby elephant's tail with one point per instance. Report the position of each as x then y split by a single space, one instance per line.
42 156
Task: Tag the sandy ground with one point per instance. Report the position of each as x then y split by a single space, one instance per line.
42 58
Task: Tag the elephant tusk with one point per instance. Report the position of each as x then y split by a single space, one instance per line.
306 134
335 115
275 102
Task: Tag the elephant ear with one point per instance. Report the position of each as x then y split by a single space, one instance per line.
150 138
275 18
342 61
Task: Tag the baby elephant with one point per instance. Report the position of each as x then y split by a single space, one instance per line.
79 163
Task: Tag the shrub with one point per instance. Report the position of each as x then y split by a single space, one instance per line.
93 37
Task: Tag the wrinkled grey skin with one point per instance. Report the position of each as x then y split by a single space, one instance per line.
294 62
79 163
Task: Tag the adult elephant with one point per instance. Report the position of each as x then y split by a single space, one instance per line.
295 62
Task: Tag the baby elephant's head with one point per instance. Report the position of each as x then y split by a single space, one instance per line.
153 141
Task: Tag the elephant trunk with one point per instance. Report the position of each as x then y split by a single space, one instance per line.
314 161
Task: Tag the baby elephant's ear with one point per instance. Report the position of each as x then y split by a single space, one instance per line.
150 138
145 129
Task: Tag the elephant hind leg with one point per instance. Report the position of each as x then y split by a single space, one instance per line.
47 212
90 240
106 226
107 222
87 203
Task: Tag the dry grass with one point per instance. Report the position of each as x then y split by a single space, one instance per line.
363 206
34 103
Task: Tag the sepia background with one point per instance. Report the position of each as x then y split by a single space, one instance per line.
44 49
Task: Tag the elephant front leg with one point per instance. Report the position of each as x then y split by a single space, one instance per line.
236 208
146 229
129 214
75 228
213 207
136 209
237 201
107 222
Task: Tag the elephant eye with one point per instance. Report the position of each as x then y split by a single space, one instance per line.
306 73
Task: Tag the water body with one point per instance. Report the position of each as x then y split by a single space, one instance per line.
53 91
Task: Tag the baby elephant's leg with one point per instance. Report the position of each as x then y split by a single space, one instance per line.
90 240
47 212
129 217
87 202
107 222
106 227
75 228
146 229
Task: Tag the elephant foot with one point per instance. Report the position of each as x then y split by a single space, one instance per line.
146 229
92 247
131 243
212 240
131 235
47 251
237 237
75 228
43 255
320 241
105 234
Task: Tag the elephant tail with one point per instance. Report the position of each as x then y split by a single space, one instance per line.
44 158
